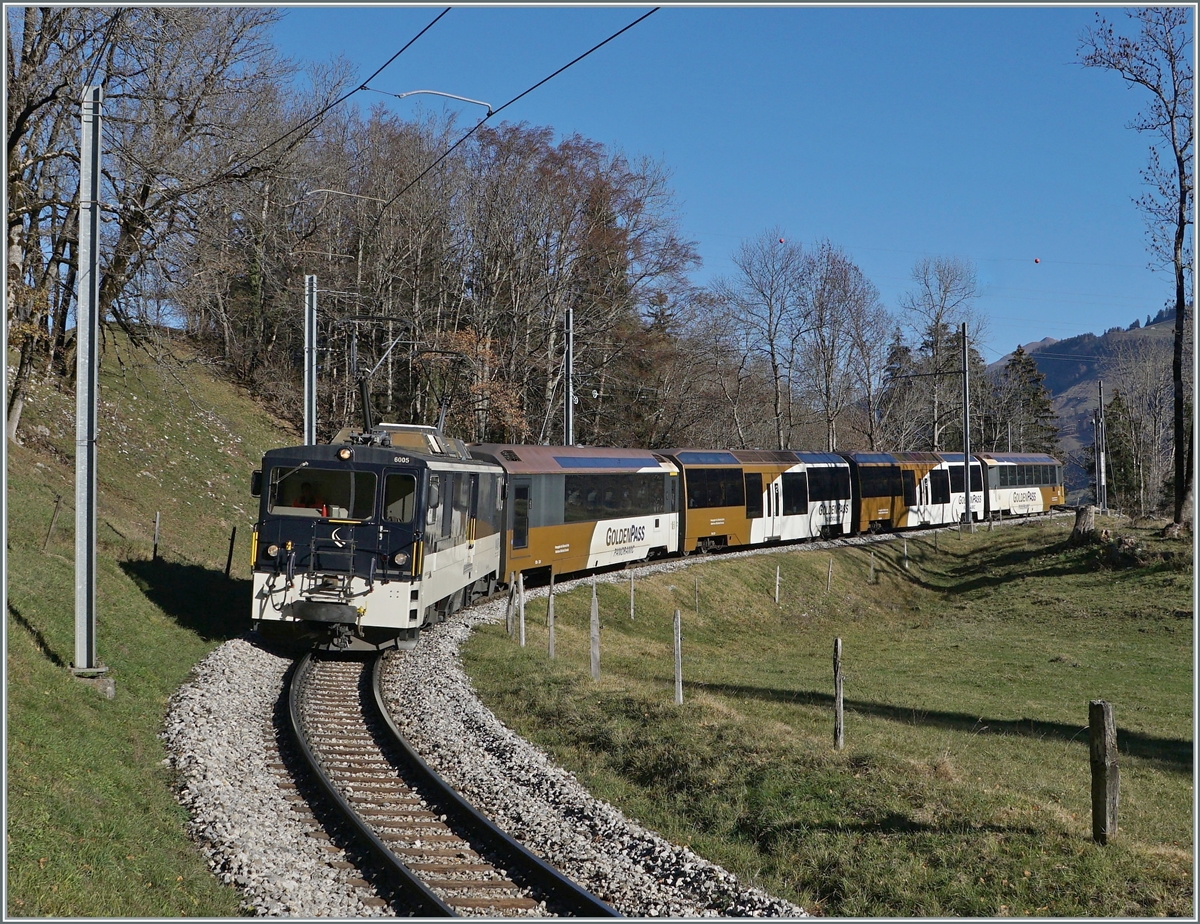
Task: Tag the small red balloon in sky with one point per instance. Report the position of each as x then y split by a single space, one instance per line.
781 240
1036 260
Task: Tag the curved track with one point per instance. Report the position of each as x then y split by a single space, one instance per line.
443 856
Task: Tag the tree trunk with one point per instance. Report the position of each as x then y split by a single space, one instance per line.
1085 525
1183 471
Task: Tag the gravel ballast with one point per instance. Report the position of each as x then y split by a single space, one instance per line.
221 739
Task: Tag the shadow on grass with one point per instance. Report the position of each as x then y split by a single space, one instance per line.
1004 568
35 633
891 823
1174 754
200 599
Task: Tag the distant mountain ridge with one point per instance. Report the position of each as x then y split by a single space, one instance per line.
1073 369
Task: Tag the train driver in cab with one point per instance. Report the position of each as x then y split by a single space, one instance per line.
309 497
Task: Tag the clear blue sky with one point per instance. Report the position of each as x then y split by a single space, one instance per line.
897 133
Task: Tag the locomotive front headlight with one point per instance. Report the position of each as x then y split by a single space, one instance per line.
272 550
344 454
400 558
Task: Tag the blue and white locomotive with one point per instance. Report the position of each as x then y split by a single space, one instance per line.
362 541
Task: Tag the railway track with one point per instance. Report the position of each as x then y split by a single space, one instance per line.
441 857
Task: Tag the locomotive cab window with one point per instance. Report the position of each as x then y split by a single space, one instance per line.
399 498
315 492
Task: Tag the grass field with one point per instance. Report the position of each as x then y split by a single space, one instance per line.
92 825
963 788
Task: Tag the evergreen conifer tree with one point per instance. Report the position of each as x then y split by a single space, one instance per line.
1028 405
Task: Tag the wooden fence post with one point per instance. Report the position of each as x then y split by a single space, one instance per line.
508 609
521 606
53 520
595 635
1106 777
550 600
839 728
678 661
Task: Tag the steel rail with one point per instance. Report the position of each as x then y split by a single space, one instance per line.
425 901
576 900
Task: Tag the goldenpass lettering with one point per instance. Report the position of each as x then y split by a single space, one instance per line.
624 536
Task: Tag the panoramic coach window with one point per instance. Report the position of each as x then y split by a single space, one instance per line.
880 481
605 497
956 478
795 493
939 486
317 492
399 498
715 487
754 495
828 482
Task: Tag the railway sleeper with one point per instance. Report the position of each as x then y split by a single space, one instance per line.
500 904
407 838
464 853
451 867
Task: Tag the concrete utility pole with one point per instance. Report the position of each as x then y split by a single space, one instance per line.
1101 454
569 416
966 431
86 383
310 360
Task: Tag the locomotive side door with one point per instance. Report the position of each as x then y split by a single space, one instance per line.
472 516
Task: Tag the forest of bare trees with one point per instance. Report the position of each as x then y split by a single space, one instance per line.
456 292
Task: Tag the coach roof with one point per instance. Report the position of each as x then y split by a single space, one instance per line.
520 460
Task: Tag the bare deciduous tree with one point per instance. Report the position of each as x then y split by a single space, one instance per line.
1159 59
766 294
1140 371
941 300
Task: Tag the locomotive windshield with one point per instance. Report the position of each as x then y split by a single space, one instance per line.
318 492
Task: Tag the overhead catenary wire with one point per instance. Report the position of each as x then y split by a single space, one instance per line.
500 109
341 99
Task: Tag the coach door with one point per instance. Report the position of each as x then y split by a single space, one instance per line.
520 514
772 520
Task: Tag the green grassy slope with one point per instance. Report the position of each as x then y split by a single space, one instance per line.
92 825
963 788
